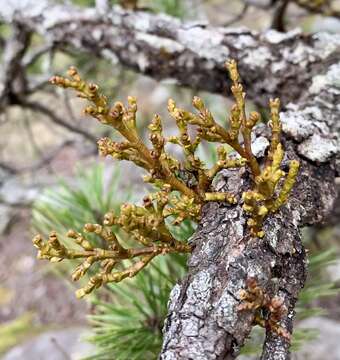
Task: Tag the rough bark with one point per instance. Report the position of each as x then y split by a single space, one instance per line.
204 321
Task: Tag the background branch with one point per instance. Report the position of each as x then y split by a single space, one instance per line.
52 116
278 22
192 55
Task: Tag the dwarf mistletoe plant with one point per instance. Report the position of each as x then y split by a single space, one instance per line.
178 197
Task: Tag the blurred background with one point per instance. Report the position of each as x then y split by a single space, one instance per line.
52 178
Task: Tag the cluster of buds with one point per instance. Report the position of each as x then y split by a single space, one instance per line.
144 224
183 187
269 311
267 196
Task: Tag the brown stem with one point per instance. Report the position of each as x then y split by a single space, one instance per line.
278 21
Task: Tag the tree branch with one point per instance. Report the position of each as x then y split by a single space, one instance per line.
51 115
12 76
192 54
278 21
42 162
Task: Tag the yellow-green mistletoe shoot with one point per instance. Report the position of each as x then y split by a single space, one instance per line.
175 198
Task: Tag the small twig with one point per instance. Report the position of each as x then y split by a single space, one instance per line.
12 72
34 144
61 350
34 55
8 168
44 161
36 106
278 21
37 83
68 107
238 17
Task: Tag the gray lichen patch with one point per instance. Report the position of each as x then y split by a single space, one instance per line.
31 7
212 247
174 295
199 290
244 41
205 43
297 124
318 148
329 81
258 57
259 146
301 55
326 44
168 45
139 23
59 13
224 312
272 234
190 327
276 37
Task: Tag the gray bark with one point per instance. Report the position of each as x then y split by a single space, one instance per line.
304 71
